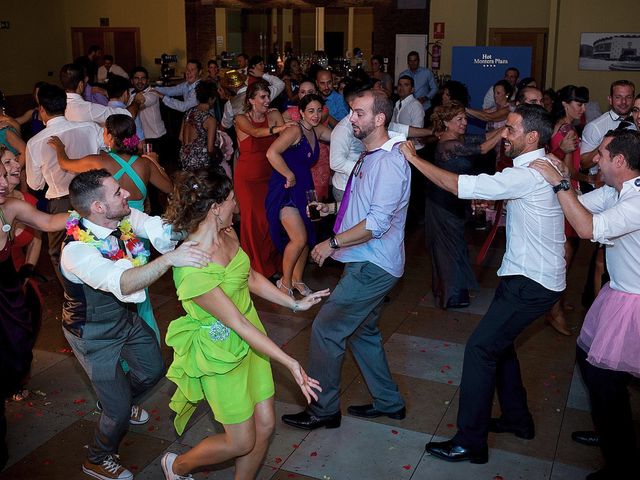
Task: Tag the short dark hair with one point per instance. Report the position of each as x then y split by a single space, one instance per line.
354 86
255 60
139 69
536 119
243 55
71 75
413 53
522 91
457 91
85 188
195 62
108 57
206 90
94 49
514 69
627 144
308 98
381 104
116 86
622 83
212 62
53 99
410 78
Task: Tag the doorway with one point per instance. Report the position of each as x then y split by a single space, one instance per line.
536 38
122 43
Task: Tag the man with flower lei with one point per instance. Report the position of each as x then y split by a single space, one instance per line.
106 268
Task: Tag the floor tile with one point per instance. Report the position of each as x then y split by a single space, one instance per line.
572 453
501 465
561 471
439 324
425 358
578 396
43 359
375 451
283 328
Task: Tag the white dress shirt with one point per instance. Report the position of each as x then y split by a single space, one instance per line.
83 263
185 90
41 163
535 223
616 223
149 114
276 87
594 131
114 70
79 110
409 111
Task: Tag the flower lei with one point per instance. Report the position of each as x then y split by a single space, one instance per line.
135 250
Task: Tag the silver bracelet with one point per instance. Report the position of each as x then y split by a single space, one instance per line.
296 307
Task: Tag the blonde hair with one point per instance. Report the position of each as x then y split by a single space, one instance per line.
445 113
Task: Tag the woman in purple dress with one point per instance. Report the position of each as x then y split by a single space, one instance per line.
292 155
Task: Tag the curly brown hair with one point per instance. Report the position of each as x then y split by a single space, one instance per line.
445 113
193 194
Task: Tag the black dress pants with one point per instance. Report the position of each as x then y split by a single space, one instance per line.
611 414
490 360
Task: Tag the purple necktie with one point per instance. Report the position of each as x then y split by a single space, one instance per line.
347 192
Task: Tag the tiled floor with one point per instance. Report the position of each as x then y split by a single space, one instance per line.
49 431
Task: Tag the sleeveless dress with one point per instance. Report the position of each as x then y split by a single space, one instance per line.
145 310
299 158
212 362
251 183
195 155
20 316
321 170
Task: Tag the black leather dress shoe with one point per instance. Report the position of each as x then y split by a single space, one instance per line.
368 411
586 437
498 425
308 421
451 452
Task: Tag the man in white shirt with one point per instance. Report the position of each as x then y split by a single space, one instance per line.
109 329
621 95
607 350
408 110
73 80
533 278
242 61
41 163
149 113
109 68
186 90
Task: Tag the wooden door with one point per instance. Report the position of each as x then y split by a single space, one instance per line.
536 38
122 43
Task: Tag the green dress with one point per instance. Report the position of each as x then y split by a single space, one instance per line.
210 360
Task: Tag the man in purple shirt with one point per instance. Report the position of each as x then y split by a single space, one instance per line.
369 240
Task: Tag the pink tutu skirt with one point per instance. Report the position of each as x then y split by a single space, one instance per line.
611 331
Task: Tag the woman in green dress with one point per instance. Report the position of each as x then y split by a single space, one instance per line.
221 351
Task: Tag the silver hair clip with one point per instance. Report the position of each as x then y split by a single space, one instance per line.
6 228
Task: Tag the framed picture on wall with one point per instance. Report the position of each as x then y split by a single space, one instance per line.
610 51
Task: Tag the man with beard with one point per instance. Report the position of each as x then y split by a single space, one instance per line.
334 101
103 283
369 240
532 279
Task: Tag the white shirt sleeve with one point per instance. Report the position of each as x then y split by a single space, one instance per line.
85 263
509 184
620 218
489 101
341 159
276 86
33 169
158 233
590 138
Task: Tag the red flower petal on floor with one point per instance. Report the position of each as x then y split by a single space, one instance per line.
407 467
39 413
81 413
449 382
449 425
133 467
17 415
295 445
394 432
314 454
423 349
278 460
446 344
46 461
498 477
154 411
291 475
158 418
78 401
30 404
151 428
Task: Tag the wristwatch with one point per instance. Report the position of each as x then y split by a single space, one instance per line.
563 185
333 243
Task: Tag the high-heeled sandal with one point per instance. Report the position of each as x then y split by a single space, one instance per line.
302 288
283 288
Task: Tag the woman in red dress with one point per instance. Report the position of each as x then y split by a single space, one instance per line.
256 130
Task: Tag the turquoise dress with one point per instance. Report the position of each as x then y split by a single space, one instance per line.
145 310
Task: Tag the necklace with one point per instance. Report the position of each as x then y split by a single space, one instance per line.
133 248
301 123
